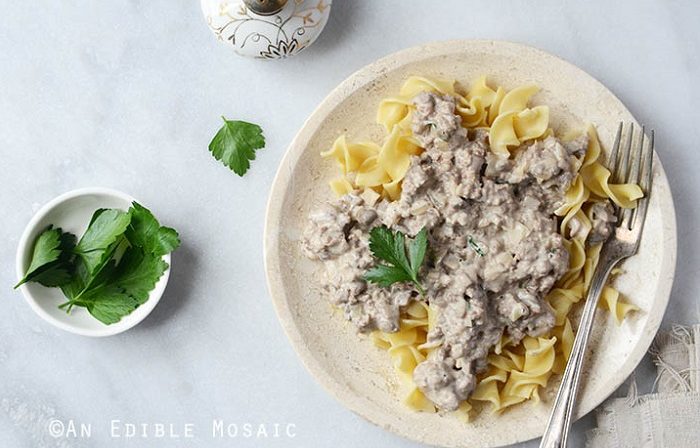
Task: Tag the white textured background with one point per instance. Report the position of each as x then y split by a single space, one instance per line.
127 94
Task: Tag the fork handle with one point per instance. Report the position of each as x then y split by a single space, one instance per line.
560 419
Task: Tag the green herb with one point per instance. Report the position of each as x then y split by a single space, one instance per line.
123 289
235 144
115 265
145 231
102 237
398 266
51 259
475 246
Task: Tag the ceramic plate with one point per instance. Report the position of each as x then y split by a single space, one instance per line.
351 368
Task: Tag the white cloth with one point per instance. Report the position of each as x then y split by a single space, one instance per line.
668 418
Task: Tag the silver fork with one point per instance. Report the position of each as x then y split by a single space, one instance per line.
632 163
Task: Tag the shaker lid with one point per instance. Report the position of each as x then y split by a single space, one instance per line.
265 7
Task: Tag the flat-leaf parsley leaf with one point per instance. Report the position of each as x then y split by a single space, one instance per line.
102 237
398 266
132 279
235 144
145 231
51 258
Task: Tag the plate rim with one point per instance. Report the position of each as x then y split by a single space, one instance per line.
356 80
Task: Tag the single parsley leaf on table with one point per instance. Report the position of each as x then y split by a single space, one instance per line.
51 262
235 144
397 266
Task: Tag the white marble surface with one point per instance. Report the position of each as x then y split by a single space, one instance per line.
127 94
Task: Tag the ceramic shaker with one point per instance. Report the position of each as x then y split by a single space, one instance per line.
269 29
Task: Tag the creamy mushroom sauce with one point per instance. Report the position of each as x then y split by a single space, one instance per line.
494 246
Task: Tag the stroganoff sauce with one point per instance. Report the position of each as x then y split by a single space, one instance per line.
495 251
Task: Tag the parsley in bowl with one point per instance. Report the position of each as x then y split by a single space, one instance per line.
94 261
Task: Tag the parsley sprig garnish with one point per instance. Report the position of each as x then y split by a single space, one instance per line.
399 263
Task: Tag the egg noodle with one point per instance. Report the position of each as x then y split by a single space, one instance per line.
516 371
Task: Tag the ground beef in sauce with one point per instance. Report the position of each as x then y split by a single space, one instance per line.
467 197
603 218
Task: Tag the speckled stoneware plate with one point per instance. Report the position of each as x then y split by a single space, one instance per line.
351 368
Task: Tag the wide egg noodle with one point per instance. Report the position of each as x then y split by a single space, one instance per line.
530 124
516 100
481 90
495 107
371 173
502 135
341 186
524 384
513 123
392 159
393 111
473 112
417 84
350 157
488 388
596 177
613 302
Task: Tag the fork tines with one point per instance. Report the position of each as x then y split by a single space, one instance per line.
631 162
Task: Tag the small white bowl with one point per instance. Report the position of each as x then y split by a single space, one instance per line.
72 212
